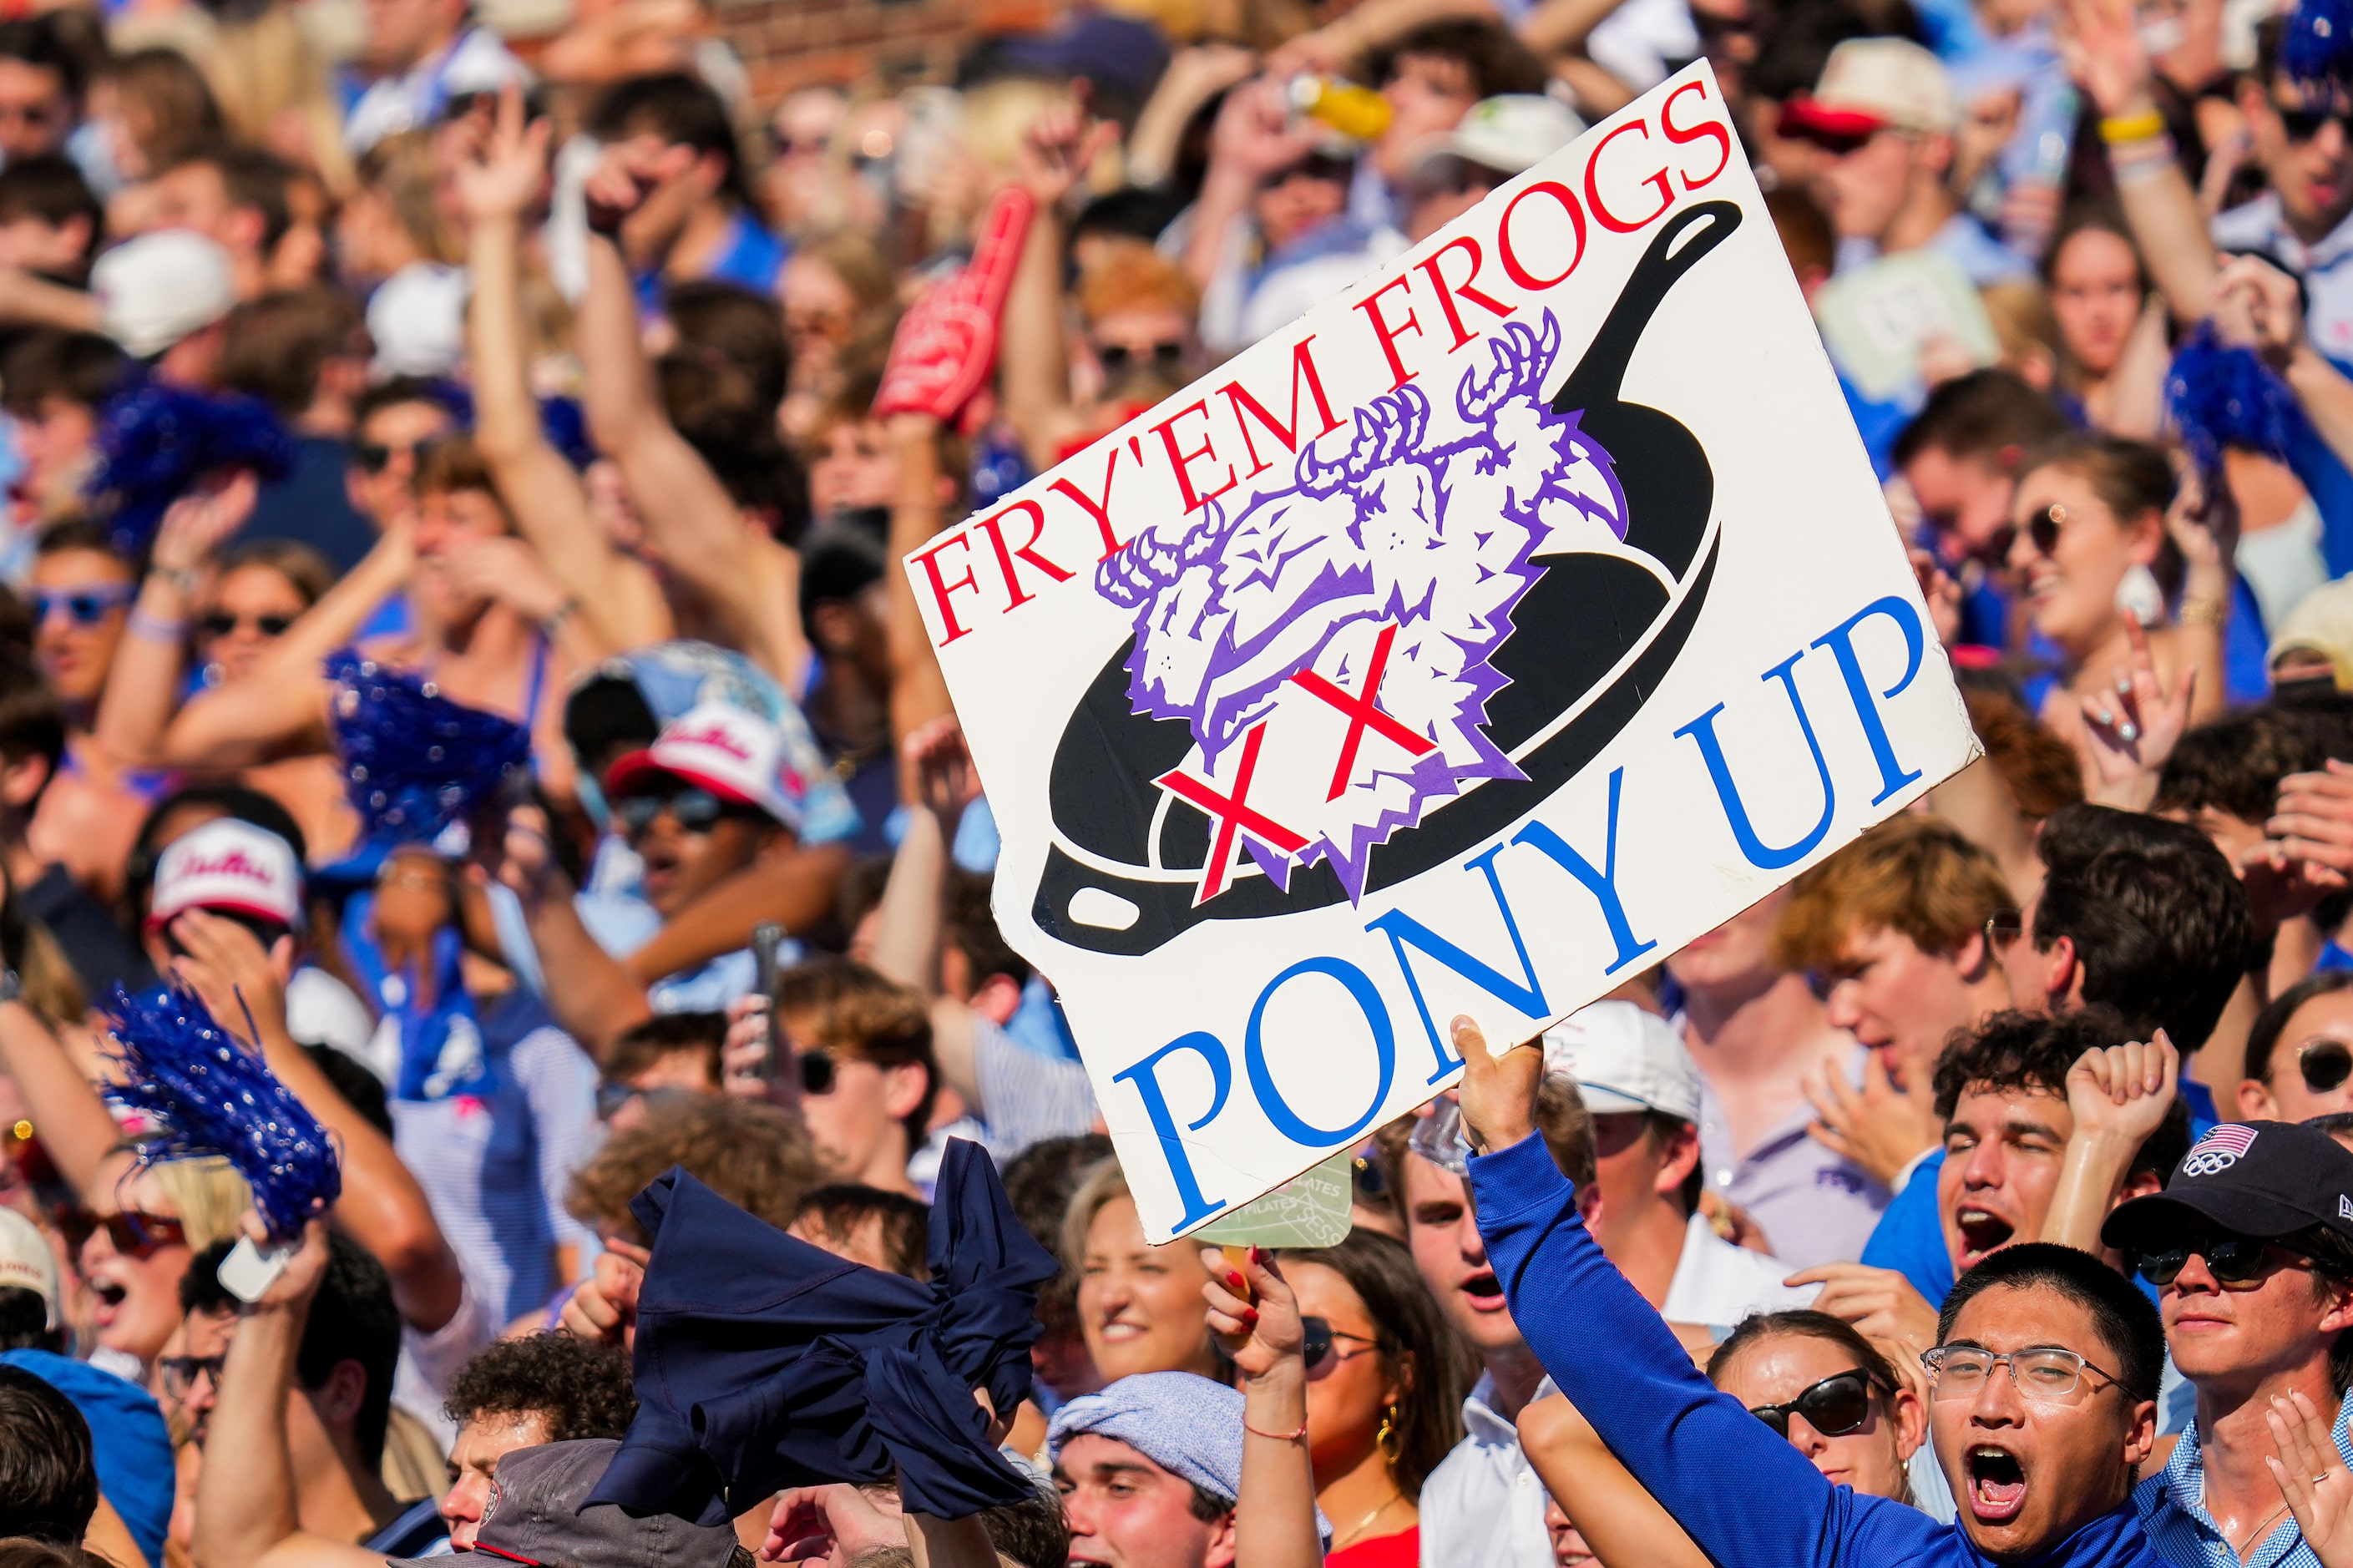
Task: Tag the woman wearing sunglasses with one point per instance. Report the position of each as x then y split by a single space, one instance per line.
2101 530
1807 1375
1385 1376
2300 1053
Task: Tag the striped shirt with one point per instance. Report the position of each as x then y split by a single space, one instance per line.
1026 1096
2172 1506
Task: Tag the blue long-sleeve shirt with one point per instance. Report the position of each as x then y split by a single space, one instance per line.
1742 1493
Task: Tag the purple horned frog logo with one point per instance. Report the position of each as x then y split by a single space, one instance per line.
1330 643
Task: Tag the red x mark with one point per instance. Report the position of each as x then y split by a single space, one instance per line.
1364 712
1232 812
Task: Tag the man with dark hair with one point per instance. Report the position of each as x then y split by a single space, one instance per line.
1960 456
48 1480
50 220
519 1393
305 352
866 1224
32 747
51 383
41 83
237 196
668 1054
1432 76
700 220
299 1399
390 421
2043 1383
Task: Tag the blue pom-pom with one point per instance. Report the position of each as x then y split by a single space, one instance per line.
154 442
212 1097
2221 396
560 420
2317 44
415 761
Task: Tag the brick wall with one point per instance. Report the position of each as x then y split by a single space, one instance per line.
886 43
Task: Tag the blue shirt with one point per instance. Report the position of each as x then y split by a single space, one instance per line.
1742 1493
2172 1507
127 1437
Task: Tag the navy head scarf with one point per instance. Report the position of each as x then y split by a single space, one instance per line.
763 1362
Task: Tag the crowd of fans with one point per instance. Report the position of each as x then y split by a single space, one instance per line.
452 638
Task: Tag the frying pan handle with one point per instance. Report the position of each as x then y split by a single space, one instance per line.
1598 375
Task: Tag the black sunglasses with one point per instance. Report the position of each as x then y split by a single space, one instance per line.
2304 124
1834 1406
1320 1352
2231 1259
374 456
1117 357
818 1073
220 623
179 1373
82 606
695 809
2326 1065
2044 527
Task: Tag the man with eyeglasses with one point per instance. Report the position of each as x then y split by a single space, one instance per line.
2251 1249
2042 1384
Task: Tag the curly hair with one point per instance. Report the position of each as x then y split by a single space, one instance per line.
579 1388
2032 1053
754 1155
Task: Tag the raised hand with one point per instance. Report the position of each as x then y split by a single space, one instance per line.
1255 135
625 175
1256 1315
1881 1304
936 755
2132 731
605 1307
503 177
201 522
1877 1126
834 1523
510 572
1060 145
2101 44
2258 307
226 966
1499 1090
2122 1093
2314 820
2312 1477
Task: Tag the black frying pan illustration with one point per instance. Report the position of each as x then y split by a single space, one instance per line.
1582 615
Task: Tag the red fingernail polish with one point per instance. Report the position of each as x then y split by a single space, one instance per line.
1250 1317
1258 1256
1236 1282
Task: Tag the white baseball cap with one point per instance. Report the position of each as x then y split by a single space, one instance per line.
229 866
1510 133
1877 84
1624 1059
27 1261
737 756
156 288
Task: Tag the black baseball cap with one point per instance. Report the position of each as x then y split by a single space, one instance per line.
2264 1179
536 1515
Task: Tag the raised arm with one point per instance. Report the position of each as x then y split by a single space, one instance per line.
753 583
919 694
245 1509
381 1206
2103 53
1033 363
496 188
1623 1526
907 938
2117 1097
1742 1493
75 1131
596 1000
1275 1516
793 888
143 684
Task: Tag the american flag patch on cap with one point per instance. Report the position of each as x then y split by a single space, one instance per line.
2218 1150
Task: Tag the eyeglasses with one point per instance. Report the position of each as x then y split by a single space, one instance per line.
2003 928
220 623
2326 1065
2044 527
82 606
1116 357
374 456
134 1232
2041 1372
693 808
2231 1259
179 1373
2304 124
1834 1406
1319 1351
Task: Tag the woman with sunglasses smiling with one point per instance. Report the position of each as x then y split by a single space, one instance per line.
2299 1060
1807 1375
2100 526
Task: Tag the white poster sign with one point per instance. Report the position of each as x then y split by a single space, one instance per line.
1517 615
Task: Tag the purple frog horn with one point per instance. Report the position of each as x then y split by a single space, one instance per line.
1522 358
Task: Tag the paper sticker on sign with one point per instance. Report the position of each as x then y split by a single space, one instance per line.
1507 621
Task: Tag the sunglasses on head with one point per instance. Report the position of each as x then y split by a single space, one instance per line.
82 606
134 1232
2326 1065
693 808
220 623
1833 1407
2304 124
2231 1259
1117 357
1321 1350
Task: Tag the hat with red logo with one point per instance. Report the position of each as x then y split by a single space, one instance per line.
231 867
737 756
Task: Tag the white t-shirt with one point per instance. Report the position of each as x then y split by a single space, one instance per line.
1718 1284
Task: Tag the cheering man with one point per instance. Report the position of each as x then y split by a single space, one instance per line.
2043 1402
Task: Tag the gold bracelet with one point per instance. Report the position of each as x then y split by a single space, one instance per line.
2119 130
2204 611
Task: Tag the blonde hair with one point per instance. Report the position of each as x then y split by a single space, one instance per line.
1914 873
207 1194
268 76
400 169
1102 1186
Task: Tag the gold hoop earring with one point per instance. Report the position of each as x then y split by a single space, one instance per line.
1382 1439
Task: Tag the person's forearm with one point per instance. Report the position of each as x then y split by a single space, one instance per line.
1274 1518
794 890
1032 367
2166 221
2090 1176
143 681
1623 1526
1225 196
949 1543
248 1506
382 1207
596 1000
907 936
2326 396
919 694
621 384
1615 1358
505 416
1559 25
29 301
2207 592
65 1108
